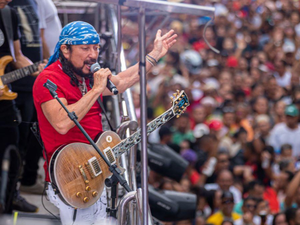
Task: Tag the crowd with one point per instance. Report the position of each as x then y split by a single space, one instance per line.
240 133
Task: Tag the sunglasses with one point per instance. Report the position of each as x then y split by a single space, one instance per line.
248 206
228 201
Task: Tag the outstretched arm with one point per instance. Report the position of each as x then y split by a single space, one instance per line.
292 190
129 77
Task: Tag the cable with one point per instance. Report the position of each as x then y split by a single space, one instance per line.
42 199
204 31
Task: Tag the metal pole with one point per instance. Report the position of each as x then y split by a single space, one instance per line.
122 206
119 43
143 82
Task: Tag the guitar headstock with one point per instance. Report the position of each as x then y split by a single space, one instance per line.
180 102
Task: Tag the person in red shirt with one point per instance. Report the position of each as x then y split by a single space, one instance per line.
69 68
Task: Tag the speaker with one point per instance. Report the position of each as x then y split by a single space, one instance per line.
166 162
172 205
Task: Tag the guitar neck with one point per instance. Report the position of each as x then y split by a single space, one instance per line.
19 73
135 138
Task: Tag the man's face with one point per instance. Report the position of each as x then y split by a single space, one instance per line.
222 162
225 180
199 114
3 3
291 120
227 206
258 191
249 206
81 57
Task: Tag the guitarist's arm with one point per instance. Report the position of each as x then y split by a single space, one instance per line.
58 117
21 60
129 77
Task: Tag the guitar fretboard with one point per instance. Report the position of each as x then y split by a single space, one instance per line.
20 73
135 138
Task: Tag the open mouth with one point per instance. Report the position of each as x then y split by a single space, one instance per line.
88 66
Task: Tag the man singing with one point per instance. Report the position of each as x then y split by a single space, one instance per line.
69 68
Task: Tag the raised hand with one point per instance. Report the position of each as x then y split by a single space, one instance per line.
163 43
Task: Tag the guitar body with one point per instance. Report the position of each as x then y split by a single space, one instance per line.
7 95
78 187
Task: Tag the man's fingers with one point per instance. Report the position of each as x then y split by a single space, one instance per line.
158 34
167 35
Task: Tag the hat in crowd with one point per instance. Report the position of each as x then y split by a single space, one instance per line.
220 9
263 68
288 47
227 196
75 33
212 62
208 101
189 155
291 110
232 62
192 60
215 125
262 118
178 79
200 130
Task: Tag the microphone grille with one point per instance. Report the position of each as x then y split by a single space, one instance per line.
95 67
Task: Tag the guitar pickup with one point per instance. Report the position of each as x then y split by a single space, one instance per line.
110 155
94 167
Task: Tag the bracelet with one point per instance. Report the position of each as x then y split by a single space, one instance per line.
152 58
150 61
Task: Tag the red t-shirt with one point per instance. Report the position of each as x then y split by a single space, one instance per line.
51 138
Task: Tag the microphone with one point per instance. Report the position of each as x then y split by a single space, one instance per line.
110 85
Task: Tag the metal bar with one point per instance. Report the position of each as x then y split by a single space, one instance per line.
170 7
122 206
143 82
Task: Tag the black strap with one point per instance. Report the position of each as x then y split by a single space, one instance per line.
7 21
104 112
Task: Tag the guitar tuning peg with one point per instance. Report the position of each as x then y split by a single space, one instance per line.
177 91
177 116
175 95
185 104
171 98
182 95
182 107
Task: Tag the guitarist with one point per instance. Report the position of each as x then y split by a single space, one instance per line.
69 69
9 115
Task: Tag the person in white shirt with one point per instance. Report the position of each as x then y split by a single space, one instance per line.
50 24
287 132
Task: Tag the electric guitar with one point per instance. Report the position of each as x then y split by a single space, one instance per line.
78 172
13 76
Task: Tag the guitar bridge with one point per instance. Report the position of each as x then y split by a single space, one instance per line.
110 155
94 167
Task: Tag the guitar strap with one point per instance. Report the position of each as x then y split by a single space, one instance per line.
7 21
104 112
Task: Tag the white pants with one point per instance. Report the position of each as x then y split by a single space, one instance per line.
95 214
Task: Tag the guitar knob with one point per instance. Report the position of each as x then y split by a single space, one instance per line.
78 194
85 199
94 194
88 188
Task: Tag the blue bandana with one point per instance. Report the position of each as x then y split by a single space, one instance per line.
75 33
